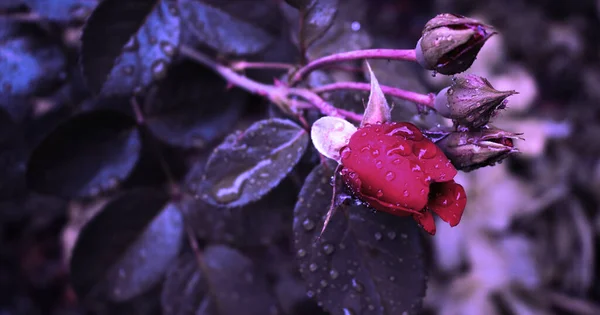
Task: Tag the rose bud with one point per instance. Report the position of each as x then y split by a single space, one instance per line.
450 43
393 168
471 101
470 150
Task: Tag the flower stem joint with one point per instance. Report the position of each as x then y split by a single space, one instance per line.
450 43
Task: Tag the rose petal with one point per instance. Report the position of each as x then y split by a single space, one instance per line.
426 221
448 201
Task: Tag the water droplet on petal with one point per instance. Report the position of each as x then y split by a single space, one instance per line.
313 267
378 164
425 149
346 151
379 193
390 176
375 153
301 253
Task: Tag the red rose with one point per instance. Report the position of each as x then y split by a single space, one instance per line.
394 168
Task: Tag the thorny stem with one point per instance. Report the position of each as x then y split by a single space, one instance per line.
390 54
423 99
277 94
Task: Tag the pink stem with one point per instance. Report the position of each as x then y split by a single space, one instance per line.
242 65
390 54
231 76
423 99
276 94
323 106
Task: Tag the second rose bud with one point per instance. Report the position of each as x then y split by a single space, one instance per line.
471 101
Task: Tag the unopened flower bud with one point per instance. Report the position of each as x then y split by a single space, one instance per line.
449 43
470 150
471 101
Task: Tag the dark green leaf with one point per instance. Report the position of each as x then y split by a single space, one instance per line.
86 155
192 107
126 248
365 262
259 223
12 157
215 26
30 62
227 284
129 44
316 18
249 164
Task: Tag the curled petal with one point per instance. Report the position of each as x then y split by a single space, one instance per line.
426 221
448 201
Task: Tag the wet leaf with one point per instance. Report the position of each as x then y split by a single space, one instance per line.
193 108
260 223
127 45
126 248
249 164
64 10
30 62
365 262
85 155
344 34
227 284
316 16
214 24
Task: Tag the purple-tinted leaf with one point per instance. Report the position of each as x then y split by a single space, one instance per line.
345 34
227 283
316 18
129 44
64 10
126 248
249 164
259 223
192 107
30 62
85 155
365 262
216 25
